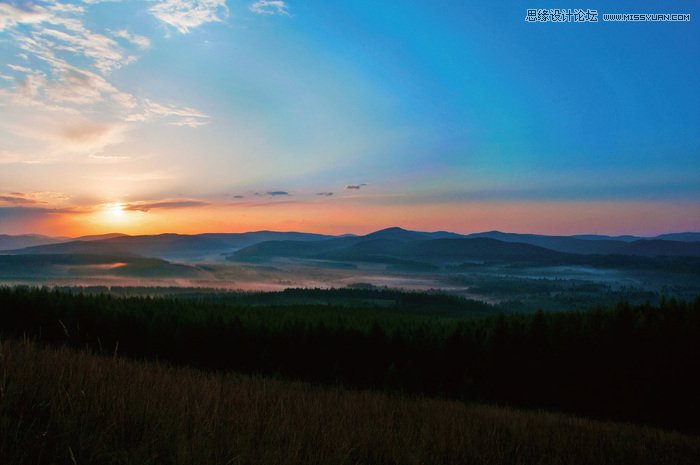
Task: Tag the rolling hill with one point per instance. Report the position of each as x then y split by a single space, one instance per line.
165 246
77 265
390 245
371 249
8 242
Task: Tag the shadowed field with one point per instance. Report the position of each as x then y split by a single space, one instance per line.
58 405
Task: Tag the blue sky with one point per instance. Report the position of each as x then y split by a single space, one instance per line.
426 106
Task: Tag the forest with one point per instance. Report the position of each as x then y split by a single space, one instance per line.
635 363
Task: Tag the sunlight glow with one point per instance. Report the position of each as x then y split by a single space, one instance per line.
115 211
113 214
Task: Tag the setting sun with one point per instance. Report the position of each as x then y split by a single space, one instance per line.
115 211
113 214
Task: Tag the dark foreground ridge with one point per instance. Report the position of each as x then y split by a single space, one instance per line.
633 363
63 406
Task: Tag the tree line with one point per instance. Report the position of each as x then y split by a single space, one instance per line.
638 363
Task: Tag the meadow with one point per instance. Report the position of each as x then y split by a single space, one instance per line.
63 406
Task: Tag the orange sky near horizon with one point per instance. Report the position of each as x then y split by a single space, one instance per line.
347 216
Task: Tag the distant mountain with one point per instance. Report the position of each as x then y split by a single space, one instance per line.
599 237
603 245
446 250
165 246
480 249
298 249
31 240
240 240
681 237
376 241
372 249
27 240
98 237
400 234
389 244
567 244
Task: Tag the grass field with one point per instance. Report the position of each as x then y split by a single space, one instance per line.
627 363
58 405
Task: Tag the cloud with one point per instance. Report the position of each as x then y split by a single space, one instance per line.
11 16
179 115
141 42
325 194
69 135
58 28
185 15
62 93
165 204
272 193
269 7
355 187
89 134
16 198
21 69
81 87
25 213
31 198
73 37
31 85
239 196
189 122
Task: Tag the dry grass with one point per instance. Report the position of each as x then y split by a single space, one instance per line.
62 406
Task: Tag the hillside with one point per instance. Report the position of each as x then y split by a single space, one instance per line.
8 242
165 246
91 409
391 243
79 265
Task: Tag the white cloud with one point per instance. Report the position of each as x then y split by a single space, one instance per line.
11 16
21 69
184 15
75 38
66 8
65 74
79 86
141 42
190 122
179 115
270 7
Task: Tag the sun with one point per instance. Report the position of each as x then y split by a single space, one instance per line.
113 213
112 217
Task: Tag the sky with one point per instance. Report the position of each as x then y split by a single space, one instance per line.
194 116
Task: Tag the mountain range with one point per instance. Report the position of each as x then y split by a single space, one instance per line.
392 245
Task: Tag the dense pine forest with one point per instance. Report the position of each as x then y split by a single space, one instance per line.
631 363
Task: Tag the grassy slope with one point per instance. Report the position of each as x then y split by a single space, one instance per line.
62 406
